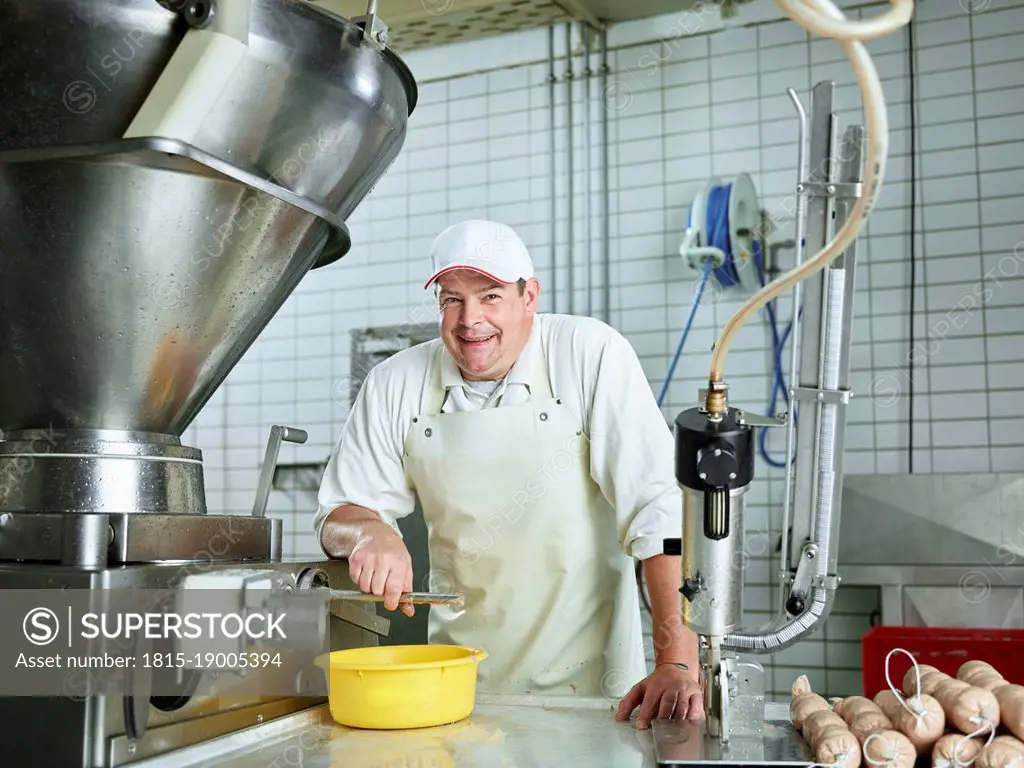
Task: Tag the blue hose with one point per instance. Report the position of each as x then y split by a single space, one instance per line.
686 331
718 233
778 380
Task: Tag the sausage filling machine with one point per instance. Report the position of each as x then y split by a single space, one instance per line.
169 172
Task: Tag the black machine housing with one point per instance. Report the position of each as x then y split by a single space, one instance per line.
713 457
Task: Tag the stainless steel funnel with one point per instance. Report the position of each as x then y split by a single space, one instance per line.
310 105
134 273
133 282
169 172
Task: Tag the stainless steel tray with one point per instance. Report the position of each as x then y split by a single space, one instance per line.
502 732
681 742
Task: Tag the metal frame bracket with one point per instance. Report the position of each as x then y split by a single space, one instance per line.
836 190
827 582
756 420
830 396
375 31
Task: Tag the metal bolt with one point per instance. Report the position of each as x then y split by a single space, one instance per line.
131 749
718 451
428 432
259 717
703 475
200 14
831 189
732 475
821 395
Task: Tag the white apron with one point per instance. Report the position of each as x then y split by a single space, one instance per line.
516 523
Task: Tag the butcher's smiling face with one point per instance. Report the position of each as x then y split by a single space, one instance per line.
484 323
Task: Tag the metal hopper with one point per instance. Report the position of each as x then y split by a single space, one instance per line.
136 271
169 173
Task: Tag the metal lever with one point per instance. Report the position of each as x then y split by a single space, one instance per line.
456 601
277 434
797 600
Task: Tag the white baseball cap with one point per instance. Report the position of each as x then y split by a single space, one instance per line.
486 247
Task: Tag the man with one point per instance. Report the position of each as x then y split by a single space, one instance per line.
543 467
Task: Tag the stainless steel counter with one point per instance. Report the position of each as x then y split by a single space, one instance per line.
502 732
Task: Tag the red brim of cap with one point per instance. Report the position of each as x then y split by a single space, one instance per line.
446 270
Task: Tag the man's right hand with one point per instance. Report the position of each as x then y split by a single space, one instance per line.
381 565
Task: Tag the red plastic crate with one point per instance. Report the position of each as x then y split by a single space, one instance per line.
945 648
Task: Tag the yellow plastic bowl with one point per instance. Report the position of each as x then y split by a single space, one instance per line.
402 686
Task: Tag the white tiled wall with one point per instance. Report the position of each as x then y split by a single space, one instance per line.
710 99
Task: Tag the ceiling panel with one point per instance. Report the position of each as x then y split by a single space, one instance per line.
416 24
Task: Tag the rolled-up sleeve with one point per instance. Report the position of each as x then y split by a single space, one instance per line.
632 452
365 467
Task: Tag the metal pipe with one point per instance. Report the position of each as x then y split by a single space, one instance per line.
818 221
570 283
606 193
794 335
846 265
585 32
553 167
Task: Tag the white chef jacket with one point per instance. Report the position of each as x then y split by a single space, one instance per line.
593 370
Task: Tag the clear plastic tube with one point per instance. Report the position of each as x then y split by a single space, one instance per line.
876 139
840 28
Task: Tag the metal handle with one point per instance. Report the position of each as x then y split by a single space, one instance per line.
432 598
277 434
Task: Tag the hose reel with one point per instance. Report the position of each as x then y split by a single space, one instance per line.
724 224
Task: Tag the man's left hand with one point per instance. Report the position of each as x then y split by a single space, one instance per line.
668 692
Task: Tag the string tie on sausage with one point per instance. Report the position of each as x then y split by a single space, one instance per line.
889 759
914 704
987 725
